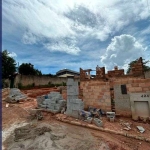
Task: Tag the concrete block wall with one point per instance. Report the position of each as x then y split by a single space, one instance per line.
122 102
96 93
134 85
39 80
74 106
73 103
72 89
140 105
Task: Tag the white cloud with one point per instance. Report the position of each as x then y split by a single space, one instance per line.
44 19
67 45
122 50
63 47
12 54
29 38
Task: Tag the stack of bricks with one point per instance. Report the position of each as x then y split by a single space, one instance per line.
73 103
82 74
52 102
96 93
116 72
72 89
137 68
100 73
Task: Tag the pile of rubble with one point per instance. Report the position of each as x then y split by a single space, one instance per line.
15 95
73 107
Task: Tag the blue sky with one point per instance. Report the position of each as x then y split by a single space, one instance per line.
58 34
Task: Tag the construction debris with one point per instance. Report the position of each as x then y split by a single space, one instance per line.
83 115
141 129
52 102
95 112
127 126
7 104
27 132
89 119
15 95
35 114
111 116
97 122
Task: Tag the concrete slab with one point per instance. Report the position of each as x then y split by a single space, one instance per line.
140 105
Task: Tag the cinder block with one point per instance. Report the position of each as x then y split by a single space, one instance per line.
69 112
110 114
89 119
112 119
44 102
69 97
98 122
51 107
70 82
57 107
75 114
42 106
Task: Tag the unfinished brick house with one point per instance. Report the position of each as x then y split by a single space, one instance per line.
127 95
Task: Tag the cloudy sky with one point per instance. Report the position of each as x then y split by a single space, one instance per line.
58 34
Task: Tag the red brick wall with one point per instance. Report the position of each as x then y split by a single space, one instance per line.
97 94
134 85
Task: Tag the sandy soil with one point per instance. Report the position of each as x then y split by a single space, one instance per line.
61 135
33 93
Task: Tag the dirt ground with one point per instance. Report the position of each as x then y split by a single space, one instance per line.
19 133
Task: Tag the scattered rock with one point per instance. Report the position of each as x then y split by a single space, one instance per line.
27 132
7 104
126 129
141 129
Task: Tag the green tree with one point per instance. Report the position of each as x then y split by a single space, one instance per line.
50 75
8 64
28 69
39 73
146 68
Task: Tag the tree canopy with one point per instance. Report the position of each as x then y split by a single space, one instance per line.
28 69
146 68
8 64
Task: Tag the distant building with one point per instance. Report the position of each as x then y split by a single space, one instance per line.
67 73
